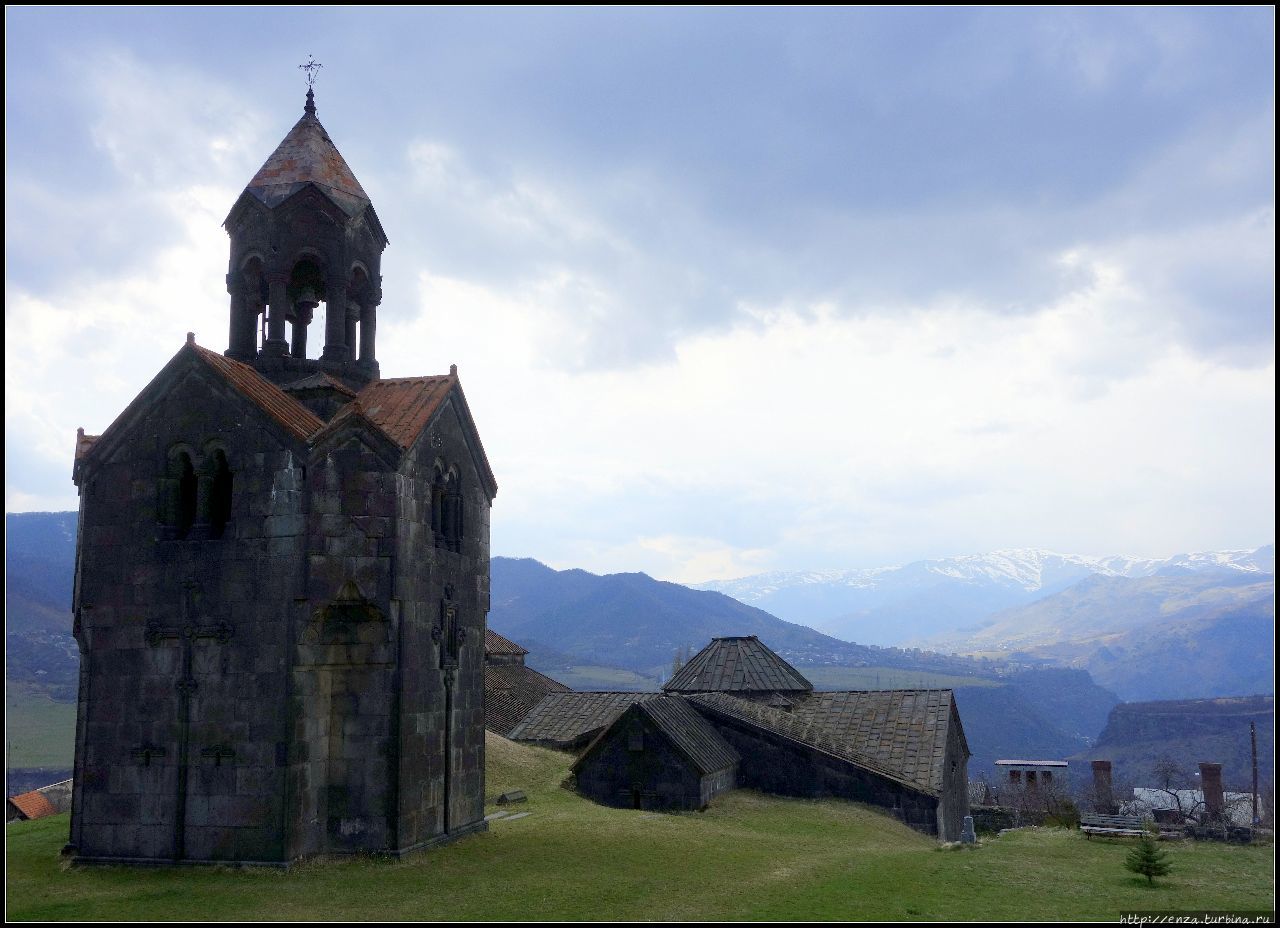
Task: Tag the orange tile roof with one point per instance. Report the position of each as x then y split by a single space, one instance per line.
295 417
402 406
33 805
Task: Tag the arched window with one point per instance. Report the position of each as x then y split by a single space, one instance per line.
452 528
437 506
187 484
220 495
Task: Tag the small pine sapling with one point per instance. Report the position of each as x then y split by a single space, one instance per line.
1148 860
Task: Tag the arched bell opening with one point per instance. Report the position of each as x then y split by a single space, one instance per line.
303 293
360 316
249 296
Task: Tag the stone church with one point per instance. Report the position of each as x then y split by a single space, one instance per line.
738 715
282 569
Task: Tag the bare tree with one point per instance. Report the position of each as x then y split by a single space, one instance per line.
1171 799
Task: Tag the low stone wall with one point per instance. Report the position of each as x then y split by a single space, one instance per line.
58 794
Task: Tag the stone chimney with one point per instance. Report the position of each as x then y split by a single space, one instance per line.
1103 801
1211 784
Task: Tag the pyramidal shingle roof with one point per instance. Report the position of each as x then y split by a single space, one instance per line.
308 156
740 664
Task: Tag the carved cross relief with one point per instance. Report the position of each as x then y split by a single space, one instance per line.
187 634
449 635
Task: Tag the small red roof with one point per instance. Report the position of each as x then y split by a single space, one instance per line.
402 406
282 407
33 805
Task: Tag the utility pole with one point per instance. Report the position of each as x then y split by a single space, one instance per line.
1253 739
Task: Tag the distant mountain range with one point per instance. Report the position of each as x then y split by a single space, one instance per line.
1164 636
1016 705
917 602
40 559
638 623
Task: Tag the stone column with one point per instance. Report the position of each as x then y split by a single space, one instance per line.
1211 785
353 316
1103 801
335 320
302 319
276 344
204 494
241 341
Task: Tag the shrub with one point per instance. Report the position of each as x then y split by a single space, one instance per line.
1147 859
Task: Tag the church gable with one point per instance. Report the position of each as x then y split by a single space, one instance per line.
351 430
192 380
406 409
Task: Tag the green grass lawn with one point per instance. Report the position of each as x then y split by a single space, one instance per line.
886 678
589 677
750 857
39 731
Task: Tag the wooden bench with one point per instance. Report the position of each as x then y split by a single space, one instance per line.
1127 825
1120 826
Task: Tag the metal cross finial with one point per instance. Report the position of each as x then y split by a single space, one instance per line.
311 67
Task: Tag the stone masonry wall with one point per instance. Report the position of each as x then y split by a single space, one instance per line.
954 805
429 576
179 730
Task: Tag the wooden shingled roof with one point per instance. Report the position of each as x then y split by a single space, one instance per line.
737 664
903 730
901 734
566 720
511 691
498 644
691 733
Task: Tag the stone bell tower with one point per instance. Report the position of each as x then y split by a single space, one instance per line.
282 570
304 233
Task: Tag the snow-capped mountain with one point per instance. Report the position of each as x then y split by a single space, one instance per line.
894 605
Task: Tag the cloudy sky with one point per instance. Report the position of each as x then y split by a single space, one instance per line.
729 291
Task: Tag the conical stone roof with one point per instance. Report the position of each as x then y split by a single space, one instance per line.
730 665
308 156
